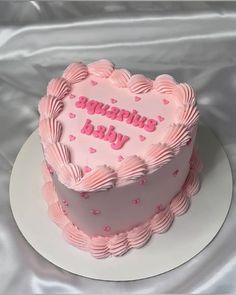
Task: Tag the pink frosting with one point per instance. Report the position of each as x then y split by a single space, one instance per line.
177 136
119 244
101 68
50 130
49 193
185 94
165 84
45 172
131 168
102 178
50 107
158 155
120 77
139 84
75 72
58 87
188 115
70 174
180 204
57 155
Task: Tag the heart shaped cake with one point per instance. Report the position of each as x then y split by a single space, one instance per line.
120 162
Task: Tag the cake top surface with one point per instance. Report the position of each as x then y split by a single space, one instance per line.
102 126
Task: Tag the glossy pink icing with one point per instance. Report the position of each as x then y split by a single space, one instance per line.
119 244
75 72
58 88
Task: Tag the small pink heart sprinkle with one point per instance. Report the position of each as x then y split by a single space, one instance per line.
65 203
189 141
94 82
92 150
142 181
165 101
175 172
160 118
87 169
113 100
107 228
142 138
49 169
136 201
84 195
72 115
159 208
72 96
95 211
120 158
137 98
72 137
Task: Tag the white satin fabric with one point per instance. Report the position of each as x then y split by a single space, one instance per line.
195 42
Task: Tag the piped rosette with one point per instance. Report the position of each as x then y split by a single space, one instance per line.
139 84
165 84
75 72
101 68
58 87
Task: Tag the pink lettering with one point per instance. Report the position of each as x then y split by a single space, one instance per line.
113 113
111 134
91 106
88 128
150 126
120 141
81 103
131 117
122 114
100 131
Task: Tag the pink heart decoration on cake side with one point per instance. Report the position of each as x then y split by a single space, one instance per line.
136 201
87 169
137 98
107 228
113 100
142 138
160 118
84 195
189 141
120 158
175 173
94 83
165 101
95 211
92 150
72 115
72 137
142 181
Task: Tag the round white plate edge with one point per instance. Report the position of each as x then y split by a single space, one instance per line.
123 268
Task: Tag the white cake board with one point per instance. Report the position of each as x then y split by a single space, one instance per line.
188 235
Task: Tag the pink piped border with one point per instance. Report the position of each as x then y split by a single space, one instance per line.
119 244
50 131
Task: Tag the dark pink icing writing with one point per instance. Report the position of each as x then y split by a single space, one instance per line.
114 113
117 140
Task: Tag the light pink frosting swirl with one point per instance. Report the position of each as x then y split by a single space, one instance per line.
45 172
75 72
56 214
50 130
180 204
58 87
57 155
119 244
49 192
185 94
165 84
102 178
158 155
101 68
177 136
70 174
139 84
131 168
120 78
192 183
188 115
50 107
